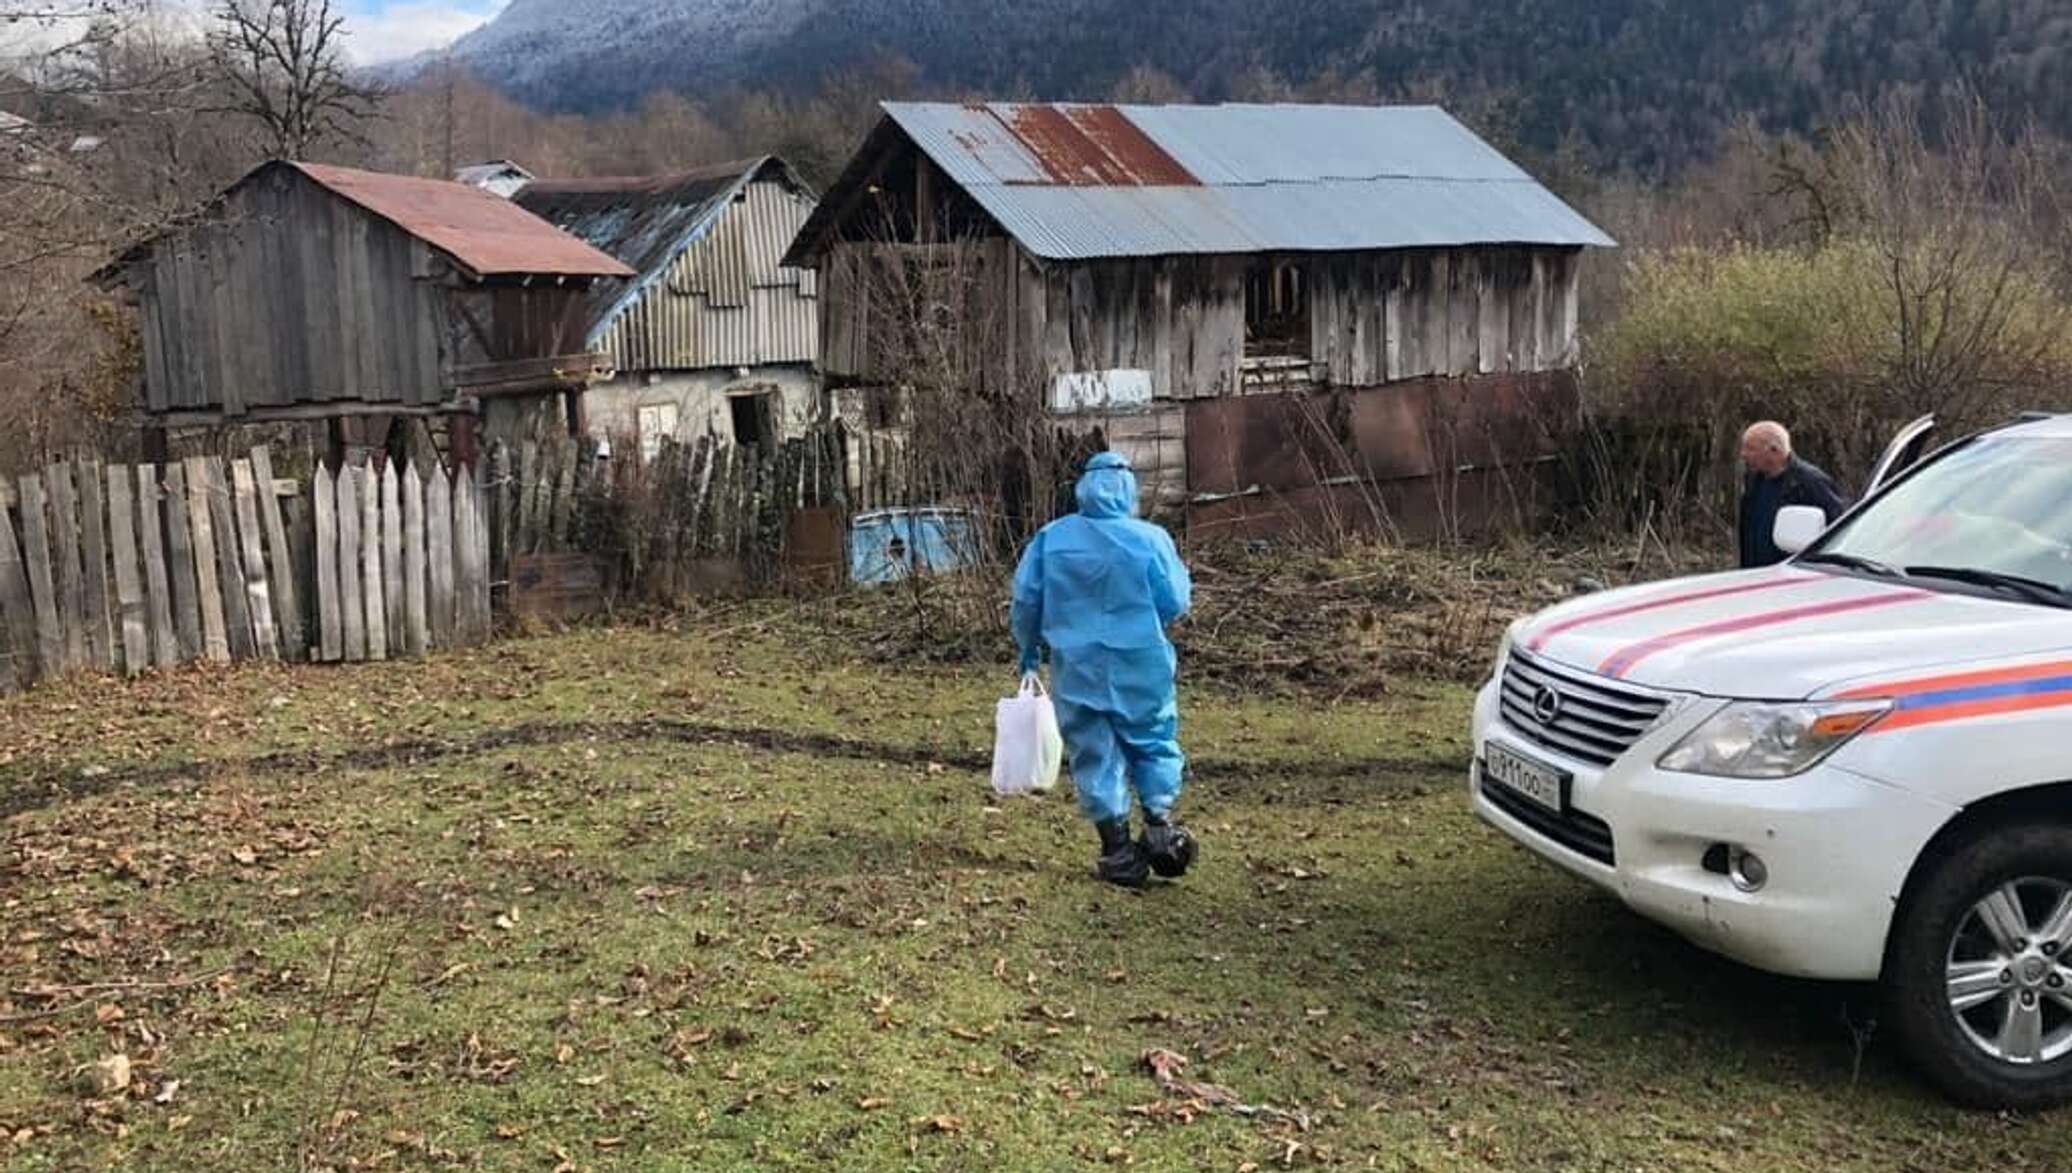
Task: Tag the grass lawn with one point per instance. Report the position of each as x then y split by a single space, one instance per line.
634 900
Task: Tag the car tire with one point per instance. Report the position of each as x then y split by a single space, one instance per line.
1941 924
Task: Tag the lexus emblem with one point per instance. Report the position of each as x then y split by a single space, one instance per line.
1546 705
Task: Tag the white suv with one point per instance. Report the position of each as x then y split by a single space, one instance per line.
1853 766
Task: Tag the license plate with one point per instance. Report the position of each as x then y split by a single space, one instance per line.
1522 775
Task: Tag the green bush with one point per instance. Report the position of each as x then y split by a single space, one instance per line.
1843 343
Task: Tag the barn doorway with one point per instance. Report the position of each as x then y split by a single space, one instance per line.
754 419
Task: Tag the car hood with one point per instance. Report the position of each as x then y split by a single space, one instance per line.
1785 633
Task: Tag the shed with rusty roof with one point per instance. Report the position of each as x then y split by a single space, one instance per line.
315 292
1150 270
714 334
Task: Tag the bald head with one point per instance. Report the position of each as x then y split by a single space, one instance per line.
1766 448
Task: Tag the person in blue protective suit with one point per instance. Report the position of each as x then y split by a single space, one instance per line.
1098 588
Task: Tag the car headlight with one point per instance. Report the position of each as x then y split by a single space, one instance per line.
1753 739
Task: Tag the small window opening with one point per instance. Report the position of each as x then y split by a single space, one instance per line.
1276 311
884 407
657 423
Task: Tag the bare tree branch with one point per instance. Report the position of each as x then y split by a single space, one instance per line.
284 65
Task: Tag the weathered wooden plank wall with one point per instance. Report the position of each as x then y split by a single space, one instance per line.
287 294
1375 318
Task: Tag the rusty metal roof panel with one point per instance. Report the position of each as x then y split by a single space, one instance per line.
487 234
1082 182
970 144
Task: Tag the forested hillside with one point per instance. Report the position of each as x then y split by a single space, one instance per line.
1645 85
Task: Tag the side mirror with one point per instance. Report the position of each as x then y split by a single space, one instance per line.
1798 526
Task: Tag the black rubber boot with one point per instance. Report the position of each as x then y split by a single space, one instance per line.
1167 846
1122 860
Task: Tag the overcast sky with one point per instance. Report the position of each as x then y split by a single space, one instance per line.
383 30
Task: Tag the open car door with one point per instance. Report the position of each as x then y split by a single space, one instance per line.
1906 448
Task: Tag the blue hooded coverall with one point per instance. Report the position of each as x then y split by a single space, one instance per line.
1098 588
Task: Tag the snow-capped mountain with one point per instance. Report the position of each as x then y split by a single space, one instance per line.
582 53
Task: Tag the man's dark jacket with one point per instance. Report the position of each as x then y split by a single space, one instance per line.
1800 483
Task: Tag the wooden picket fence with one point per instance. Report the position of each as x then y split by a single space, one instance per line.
126 568
402 562
697 503
134 567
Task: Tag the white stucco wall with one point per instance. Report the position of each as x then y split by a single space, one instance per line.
701 400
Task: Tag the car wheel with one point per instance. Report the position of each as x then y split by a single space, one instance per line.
1980 977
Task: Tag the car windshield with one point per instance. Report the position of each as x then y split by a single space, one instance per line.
1999 508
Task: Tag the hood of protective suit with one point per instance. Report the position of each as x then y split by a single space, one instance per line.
1108 488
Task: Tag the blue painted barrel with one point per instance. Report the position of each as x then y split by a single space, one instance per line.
889 544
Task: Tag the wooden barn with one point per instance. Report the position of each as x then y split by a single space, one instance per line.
714 336
372 302
1274 309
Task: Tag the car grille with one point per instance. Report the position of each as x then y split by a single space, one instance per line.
1584 834
1596 720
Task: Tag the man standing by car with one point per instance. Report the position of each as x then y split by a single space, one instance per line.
1776 477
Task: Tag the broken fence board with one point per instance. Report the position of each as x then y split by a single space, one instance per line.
502 523
129 571
215 636
439 558
64 527
394 606
158 590
370 564
281 563
470 573
417 632
230 574
544 474
258 588
50 628
485 606
179 544
464 525
299 518
351 609
17 605
564 499
324 520
93 552
528 471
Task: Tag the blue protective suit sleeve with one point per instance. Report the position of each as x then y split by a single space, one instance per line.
1174 590
1027 615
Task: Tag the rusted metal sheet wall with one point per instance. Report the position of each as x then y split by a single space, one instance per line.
727 301
1260 448
288 295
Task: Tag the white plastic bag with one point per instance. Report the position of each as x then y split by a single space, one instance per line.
1027 748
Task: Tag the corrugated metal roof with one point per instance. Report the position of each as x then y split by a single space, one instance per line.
643 220
489 235
1075 182
706 245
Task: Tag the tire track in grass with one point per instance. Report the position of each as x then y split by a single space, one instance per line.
25 790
